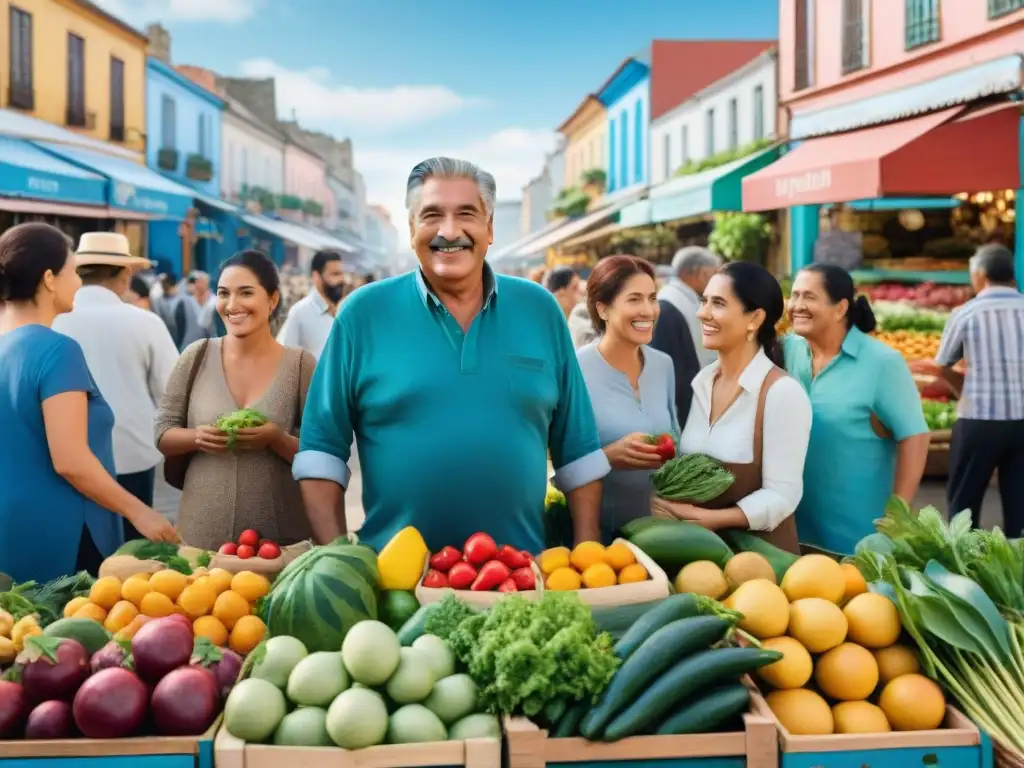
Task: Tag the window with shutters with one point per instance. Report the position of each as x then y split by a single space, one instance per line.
168 124
734 123
854 36
921 23
758 112
22 95
116 99
803 58
997 8
76 81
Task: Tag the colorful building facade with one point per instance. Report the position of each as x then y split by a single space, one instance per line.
626 98
586 141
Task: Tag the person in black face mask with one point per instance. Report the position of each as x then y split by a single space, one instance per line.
310 319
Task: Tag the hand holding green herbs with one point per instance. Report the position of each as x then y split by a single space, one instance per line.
695 479
246 418
524 654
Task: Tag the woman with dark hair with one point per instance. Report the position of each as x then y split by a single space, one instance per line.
869 436
247 483
631 386
746 411
60 506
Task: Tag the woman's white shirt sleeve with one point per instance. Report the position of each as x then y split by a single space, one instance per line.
786 432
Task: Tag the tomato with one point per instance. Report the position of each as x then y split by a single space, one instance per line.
269 550
245 551
249 538
228 548
479 549
666 446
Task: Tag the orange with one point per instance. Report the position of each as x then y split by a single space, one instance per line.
247 633
220 579
586 554
855 583
196 600
91 611
619 556
156 605
251 586
230 607
134 589
128 632
599 575
210 628
120 616
105 592
169 583
73 605
563 580
632 574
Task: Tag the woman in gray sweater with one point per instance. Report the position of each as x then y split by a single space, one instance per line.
631 385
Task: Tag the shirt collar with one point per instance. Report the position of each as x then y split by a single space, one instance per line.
691 294
430 298
751 379
319 301
854 342
998 290
96 295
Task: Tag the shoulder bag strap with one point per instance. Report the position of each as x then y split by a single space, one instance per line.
193 373
300 394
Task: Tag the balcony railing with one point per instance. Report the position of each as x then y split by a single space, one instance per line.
921 23
21 96
167 159
997 8
853 46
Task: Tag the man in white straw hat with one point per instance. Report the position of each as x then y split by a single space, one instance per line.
129 352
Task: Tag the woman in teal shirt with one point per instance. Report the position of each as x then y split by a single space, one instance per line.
869 439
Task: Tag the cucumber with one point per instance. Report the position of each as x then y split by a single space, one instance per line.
675 543
745 541
415 627
554 711
670 609
704 713
88 632
570 723
686 677
616 620
664 647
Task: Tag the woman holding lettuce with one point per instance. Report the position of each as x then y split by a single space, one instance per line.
229 421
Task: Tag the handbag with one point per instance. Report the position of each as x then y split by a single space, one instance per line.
176 467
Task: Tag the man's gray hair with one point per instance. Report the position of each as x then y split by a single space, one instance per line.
994 261
449 168
692 259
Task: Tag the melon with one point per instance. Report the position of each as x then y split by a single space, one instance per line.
322 594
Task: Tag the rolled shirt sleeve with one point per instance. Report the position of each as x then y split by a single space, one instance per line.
785 433
951 346
897 400
325 443
575 446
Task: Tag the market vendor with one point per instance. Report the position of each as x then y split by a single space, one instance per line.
455 382
869 439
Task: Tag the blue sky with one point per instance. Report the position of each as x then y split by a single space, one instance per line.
405 79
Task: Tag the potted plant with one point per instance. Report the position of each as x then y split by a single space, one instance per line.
594 181
289 203
198 168
571 202
312 207
167 159
740 236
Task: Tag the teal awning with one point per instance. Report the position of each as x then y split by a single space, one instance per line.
903 203
716 189
636 214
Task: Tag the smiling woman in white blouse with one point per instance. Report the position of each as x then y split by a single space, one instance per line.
746 413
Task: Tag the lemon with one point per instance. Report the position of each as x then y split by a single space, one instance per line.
169 583
251 586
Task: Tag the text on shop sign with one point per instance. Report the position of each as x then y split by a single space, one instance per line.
37 184
811 181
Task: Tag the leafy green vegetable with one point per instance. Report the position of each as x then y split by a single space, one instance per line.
204 559
938 414
525 654
450 613
47 600
161 552
246 418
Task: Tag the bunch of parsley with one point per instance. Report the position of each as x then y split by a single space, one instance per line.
523 655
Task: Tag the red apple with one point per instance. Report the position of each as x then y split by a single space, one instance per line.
228 548
269 551
245 551
249 538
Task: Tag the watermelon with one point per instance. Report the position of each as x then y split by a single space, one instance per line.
322 594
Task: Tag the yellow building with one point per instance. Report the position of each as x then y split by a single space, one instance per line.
72 64
586 134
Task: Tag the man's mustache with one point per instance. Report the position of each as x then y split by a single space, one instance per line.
443 242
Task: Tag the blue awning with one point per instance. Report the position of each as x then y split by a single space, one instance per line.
132 186
27 171
284 230
216 202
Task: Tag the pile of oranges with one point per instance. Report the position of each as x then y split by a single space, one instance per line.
913 345
220 605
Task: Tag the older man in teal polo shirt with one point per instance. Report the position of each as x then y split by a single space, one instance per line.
455 382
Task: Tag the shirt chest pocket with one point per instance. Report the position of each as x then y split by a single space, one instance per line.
532 385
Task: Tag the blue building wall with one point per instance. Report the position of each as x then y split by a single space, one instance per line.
627 100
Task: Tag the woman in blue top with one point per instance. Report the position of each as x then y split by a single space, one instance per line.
631 386
59 501
869 439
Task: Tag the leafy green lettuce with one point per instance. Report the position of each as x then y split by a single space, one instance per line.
246 418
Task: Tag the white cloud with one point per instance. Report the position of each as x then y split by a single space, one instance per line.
145 11
513 155
319 102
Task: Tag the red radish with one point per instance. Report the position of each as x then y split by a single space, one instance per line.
14 707
269 551
50 720
228 548
54 668
250 538
161 646
245 551
185 702
111 704
509 585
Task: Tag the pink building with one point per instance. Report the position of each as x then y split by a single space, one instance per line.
305 179
889 99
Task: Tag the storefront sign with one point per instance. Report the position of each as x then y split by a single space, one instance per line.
43 186
964 86
128 196
789 187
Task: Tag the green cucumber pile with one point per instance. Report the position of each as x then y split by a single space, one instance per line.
694 479
678 676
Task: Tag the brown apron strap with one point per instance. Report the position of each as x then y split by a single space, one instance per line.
773 376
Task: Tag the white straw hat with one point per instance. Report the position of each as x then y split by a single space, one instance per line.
108 249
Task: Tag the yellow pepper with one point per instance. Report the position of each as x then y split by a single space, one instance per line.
27 626
400 563
8 652
550 560
6 623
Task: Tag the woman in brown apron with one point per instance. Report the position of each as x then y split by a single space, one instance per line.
739 311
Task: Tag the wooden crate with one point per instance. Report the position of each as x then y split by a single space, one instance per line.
958 744
473 753
141 752
756 747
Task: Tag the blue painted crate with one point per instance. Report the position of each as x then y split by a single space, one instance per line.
230 752
528 746
958 744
